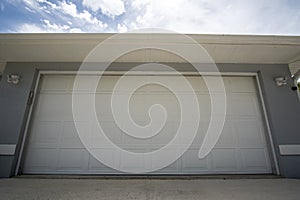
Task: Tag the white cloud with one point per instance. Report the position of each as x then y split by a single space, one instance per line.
61 16
30 2
52 5
29 9
71 9
122 28
222 16
46 27
109 7
185 16
68 8
56 27
31 28
75 30
139 4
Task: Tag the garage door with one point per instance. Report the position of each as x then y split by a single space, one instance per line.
54 146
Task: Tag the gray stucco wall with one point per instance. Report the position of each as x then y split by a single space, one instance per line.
282 105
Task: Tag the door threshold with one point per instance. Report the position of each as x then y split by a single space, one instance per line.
156 176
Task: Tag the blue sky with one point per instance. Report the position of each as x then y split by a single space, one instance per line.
275 17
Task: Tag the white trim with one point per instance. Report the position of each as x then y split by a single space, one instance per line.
7 149
143 73
33 47
227 39
27 124
266 118
289 149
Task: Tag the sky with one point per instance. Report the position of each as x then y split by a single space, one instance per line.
260 17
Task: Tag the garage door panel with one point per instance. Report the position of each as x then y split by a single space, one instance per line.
106 153
214 84
53 107
153 87
72 159
241 85
137 108
227 138
134 143
204 106
167 100
202 130
106 84
198 84
111 131
174 167
55 147
97 167
130 163
82 103
55 83
41 160
224 160
45 145
87 84
192 164
69 138
249 134
140 148
255 159
47 131
166 134
242 104
103 109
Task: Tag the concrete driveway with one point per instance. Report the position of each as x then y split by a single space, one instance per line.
34 188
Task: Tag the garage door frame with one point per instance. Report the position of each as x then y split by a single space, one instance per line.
269 140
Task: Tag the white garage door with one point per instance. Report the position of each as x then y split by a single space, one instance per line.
55 148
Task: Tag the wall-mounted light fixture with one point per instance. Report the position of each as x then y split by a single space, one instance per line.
13 78
280 81
296 80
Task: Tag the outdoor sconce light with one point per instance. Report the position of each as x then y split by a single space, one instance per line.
280 81
13 78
